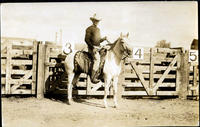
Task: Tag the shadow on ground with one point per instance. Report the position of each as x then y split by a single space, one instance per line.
76 99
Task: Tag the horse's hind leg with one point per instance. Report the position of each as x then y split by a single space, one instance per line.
75 79
115 81
69 87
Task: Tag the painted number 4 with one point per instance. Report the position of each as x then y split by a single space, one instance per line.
138 53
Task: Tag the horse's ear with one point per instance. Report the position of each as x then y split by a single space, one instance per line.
121 35
127 34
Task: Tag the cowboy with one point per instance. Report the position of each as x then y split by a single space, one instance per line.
93 40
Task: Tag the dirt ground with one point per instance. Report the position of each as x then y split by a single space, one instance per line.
54 112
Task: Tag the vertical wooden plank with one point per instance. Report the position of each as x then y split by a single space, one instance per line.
184 76
8 67
188 76
88 85
195 79
178 73
151 80
34 66
40 71
46 65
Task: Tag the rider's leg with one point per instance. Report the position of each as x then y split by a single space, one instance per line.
96 61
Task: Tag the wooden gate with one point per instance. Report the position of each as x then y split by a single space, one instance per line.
52 78
192 77
157 74
49 76
18 66
162 72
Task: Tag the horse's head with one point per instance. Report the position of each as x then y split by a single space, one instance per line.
124 47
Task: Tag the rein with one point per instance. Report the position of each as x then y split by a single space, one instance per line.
125 54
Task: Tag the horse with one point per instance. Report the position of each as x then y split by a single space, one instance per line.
117 51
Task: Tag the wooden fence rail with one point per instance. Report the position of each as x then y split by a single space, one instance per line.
193 79
18 66
158 74
162 72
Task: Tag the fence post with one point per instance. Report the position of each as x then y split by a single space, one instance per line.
184 76
8 67
34 75
151 69
178 72
40 71
196 93
46 66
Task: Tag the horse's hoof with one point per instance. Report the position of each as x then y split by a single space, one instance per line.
70 102
105 106
116 106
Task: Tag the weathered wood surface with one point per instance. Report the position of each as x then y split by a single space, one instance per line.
8 69
191 78
159 69
162 71
19 64
40 72
151 70
165 73
139 74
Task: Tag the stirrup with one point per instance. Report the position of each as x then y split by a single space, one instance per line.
95 81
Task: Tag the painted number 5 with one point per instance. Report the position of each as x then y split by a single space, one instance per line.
138 53
193 55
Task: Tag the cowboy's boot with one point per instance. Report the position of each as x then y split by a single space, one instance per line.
94 77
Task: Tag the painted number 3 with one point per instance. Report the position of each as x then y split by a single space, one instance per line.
138 53
67 48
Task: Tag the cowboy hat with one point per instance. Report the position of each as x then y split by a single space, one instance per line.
95 18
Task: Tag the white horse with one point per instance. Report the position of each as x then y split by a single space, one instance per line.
111 70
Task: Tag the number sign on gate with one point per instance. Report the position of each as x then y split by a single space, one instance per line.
193 56
138 53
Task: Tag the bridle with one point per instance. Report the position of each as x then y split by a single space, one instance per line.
125 51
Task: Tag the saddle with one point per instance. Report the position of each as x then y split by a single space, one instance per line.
83 62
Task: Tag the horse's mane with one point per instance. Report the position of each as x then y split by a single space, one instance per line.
112 45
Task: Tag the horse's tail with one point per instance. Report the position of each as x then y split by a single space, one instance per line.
82 61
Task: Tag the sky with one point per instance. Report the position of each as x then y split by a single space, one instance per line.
146 22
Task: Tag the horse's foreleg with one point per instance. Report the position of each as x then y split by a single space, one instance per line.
69 87
106 90
115 81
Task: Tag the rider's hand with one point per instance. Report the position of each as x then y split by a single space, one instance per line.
105 38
